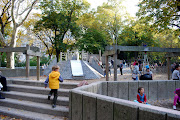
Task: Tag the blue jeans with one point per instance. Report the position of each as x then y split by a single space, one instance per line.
138 102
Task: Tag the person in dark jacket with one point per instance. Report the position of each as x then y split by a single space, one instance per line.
3 82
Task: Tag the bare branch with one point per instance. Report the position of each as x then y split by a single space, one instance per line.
176 25
24 11
19 2
4 9
12 13
28 12
2 43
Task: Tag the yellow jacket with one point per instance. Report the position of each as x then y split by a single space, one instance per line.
54 80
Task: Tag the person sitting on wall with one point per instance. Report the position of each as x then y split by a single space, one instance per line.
176 98
1 97
175 74
141 96
148 74
3 82
82 83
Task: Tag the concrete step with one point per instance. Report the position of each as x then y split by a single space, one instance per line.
39 98
36 90
41 83
27 115
35 107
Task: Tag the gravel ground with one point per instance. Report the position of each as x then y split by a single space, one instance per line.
164 103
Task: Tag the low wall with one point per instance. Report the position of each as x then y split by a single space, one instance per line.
18 72
110 101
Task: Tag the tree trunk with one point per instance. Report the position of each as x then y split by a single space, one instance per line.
10 60
57 55
10 56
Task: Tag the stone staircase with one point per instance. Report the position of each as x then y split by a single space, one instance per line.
27 99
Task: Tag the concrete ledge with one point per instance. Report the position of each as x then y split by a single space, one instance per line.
19 72
104 109
100 101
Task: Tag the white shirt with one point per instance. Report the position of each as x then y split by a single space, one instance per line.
175 74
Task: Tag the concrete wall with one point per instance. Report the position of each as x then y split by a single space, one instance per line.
18 72
92 103
154 90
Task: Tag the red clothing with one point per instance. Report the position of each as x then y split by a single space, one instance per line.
139 100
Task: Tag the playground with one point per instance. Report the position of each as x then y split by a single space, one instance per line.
77 67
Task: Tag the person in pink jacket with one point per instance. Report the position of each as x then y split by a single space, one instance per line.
176 98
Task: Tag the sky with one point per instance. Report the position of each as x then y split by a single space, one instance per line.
131 5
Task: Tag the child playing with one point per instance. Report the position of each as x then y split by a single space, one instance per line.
176 98
53 79
141 97
135 72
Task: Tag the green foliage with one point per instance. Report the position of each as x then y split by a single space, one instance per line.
43 60
137 34
60 17
162 13
3 59
92 41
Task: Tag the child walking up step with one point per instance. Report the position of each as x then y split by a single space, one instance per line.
53 79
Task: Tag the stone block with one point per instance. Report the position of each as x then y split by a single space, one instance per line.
113 89
133 87
146 113
99 88
162 90
70 107
125 111
76 106
170 89
145 85
104 89
177 83
89 107
123 90
173 116
153 90
104 109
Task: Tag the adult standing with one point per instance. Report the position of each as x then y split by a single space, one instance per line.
175 74
121 67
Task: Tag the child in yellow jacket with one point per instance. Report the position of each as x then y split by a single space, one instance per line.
53 79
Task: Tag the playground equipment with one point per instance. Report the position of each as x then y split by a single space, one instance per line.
76 68
71 67
112 50
29 51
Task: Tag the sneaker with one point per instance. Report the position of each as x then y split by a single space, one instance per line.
53 106
49 97
174 107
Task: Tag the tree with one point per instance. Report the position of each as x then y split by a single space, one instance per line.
92 41
136 34
162 13
19 12
60 17
5 20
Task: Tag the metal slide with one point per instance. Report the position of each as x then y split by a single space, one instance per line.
76 68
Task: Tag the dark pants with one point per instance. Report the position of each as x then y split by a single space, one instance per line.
121 71
3 82
55 95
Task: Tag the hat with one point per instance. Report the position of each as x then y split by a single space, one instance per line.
147 66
